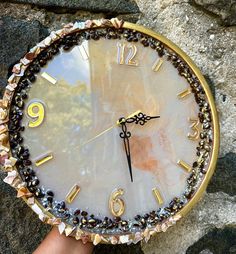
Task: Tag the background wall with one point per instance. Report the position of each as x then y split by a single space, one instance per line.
206 31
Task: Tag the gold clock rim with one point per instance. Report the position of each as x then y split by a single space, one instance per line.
216 128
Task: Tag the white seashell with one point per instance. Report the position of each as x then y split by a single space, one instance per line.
34 49
97 239
124 238
42 217
78 25
177 217
69 230
41 44
25 61
53 36
78 234
47 41
61 227
146 234
30 201
11 78
13 161
164 227
137 237
10 177
36 209
158 228
114 240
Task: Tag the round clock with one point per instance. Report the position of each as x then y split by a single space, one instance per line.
109 131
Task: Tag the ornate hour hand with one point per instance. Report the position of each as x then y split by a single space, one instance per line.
137 118
125 135
140 118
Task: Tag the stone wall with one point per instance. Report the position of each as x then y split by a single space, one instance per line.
206 31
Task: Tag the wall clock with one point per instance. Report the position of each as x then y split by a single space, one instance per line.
109 131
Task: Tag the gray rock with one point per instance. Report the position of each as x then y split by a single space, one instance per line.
217 241
212 48
225 10
107 6
225 173
16 38
21 231
215 210
206 252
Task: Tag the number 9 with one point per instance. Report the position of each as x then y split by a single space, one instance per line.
38 115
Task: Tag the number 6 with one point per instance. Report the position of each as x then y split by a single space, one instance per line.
116 204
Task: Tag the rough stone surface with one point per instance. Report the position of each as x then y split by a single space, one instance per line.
225 173
17 36
225 10
106 6
216 210
18 224
206 31
210 45
226 237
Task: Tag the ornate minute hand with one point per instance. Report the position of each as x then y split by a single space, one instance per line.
140 118
125 135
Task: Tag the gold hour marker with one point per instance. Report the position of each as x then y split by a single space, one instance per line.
157 65
185 93
83 52
74 191
184 165
49 78
44 158
194 127
158 196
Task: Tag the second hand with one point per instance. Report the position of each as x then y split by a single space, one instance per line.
108 129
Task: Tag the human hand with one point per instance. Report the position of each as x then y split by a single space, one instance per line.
54 243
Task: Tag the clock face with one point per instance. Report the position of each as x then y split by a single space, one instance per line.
112 131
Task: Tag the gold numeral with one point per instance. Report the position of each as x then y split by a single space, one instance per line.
184 165
120 53
157 65
43 158
185 93
74 191
116 204
49 78
158 196
38 115
195 128
129 58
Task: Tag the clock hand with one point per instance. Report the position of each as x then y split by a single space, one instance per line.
125 135
140 118
100 134
111 127
137 118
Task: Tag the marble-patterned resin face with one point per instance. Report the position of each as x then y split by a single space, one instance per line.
75 104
